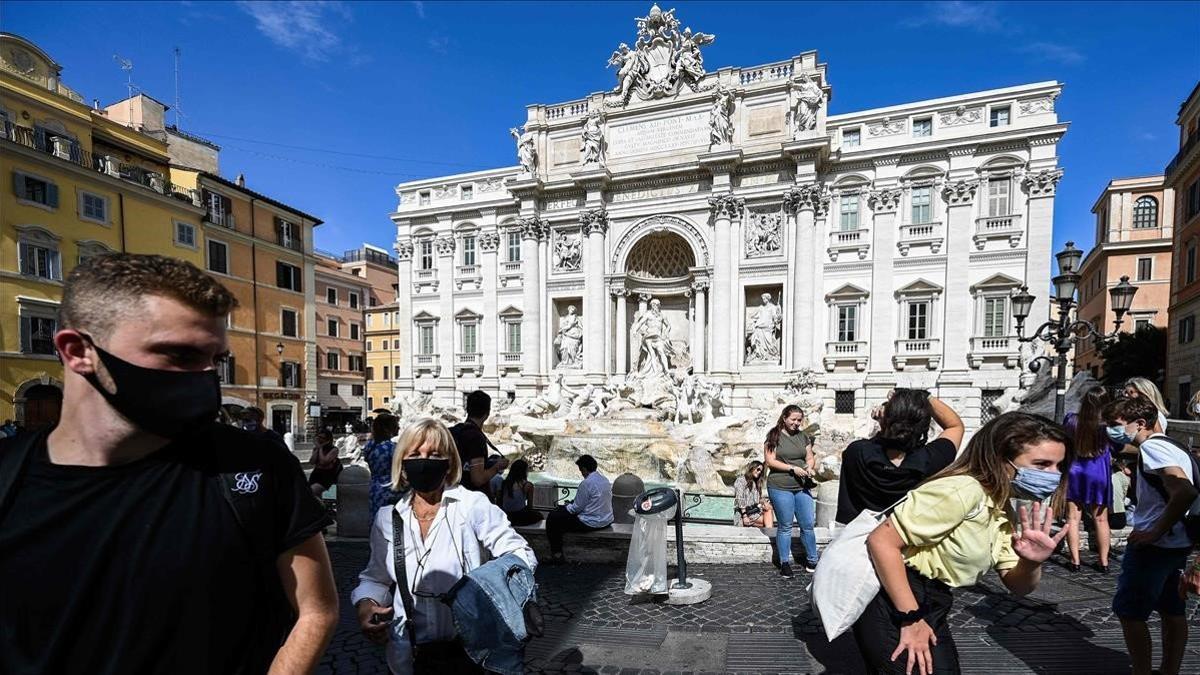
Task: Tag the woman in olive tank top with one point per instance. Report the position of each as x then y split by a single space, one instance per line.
790 458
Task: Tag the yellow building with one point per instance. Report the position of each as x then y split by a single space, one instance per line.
76 183
383 354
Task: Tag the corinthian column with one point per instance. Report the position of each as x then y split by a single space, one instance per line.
960 200
804 201
1041 187
699 363
447 326
532 231
595 224
725 208
404 254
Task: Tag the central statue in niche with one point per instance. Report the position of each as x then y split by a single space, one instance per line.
649 338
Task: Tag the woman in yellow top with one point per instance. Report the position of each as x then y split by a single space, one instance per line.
951 530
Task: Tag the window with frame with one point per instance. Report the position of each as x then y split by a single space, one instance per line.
468 245
354 331
385 345
287 322
289 374
1187 329
90 249
987 400
847 317
353 300
226 370
37 334
185 234
922 127
1189 264
995 317
922 205
34 189
39 257
467 192
851 138
333 388
218 256
1145 268
287 234
1000 116
469 333
918 320
370 372
848 212
423 198
514 246
999 197
1145 213
354 362
331 327
843 402
287 276
512 336
331 296
369 346
1140 325
357 390
333 361
93 207
385 374
425 340
1193 199
425 259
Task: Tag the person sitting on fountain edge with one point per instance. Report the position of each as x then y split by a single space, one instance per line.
591 510
473 445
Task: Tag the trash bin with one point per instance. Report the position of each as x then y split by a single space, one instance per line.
625 491
646 567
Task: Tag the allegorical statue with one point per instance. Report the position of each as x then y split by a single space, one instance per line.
807 102
653 332
763 342
629 64
720 129
526 150
593 139
689 60
567 252
569 340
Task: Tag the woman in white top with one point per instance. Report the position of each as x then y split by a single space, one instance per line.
446 530
1140 387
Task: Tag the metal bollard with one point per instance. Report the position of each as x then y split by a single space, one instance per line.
681 578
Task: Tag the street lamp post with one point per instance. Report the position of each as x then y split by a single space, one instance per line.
1063 333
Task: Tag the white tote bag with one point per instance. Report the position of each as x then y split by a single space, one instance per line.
845 581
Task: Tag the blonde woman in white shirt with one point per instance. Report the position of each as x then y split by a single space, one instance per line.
1140 387
446 530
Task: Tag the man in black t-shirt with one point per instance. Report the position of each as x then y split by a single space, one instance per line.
473 445
139 536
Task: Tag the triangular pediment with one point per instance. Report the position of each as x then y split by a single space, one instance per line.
996 281
424 316
466 314
846 292
511 311
920 287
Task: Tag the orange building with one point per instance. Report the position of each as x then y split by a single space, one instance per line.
1183 176
1134 225
341 367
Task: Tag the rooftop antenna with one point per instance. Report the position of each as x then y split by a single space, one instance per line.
127 66
178 110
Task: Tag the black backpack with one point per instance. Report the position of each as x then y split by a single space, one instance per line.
245 483
1191 522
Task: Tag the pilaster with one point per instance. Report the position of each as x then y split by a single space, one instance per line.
533 231
595 224
725 208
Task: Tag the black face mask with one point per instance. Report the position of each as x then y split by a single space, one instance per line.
166 403
425 475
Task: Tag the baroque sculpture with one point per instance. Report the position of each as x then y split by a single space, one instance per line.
526 150
662 59
762 343
567 251
593 139
650 335
569 340
805 105
720 127
764 233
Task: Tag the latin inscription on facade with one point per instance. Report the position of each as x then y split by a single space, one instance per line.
653 193
661 135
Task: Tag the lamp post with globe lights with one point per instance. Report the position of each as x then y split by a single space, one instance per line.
1063 333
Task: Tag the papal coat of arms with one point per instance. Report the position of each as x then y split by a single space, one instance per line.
662 59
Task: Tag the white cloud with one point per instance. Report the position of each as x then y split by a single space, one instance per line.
420 7
1053 51
438 43
307 28
958 14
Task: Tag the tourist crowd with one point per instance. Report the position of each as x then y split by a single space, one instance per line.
153 519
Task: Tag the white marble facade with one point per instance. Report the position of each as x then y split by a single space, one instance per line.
725 222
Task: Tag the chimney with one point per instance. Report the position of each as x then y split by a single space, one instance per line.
241 180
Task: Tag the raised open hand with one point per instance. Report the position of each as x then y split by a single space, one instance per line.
1033 542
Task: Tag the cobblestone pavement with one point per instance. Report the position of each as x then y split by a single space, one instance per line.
758 622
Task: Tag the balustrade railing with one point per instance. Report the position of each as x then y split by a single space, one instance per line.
767 73
917 346
995 345
845 348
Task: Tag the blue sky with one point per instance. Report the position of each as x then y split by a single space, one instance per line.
327 105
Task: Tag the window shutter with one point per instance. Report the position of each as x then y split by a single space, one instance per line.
52 195
19 185
281 275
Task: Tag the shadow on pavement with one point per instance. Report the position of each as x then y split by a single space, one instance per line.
840 657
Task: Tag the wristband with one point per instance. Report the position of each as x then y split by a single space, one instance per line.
901 618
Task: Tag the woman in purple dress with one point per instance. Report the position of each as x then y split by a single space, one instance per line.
1089 480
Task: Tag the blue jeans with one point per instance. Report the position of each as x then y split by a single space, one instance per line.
801 506
1148 582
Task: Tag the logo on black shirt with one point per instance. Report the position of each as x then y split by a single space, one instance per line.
246 483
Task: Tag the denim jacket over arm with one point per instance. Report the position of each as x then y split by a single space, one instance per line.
488 612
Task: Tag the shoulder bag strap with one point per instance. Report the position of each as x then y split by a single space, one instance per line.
402 578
